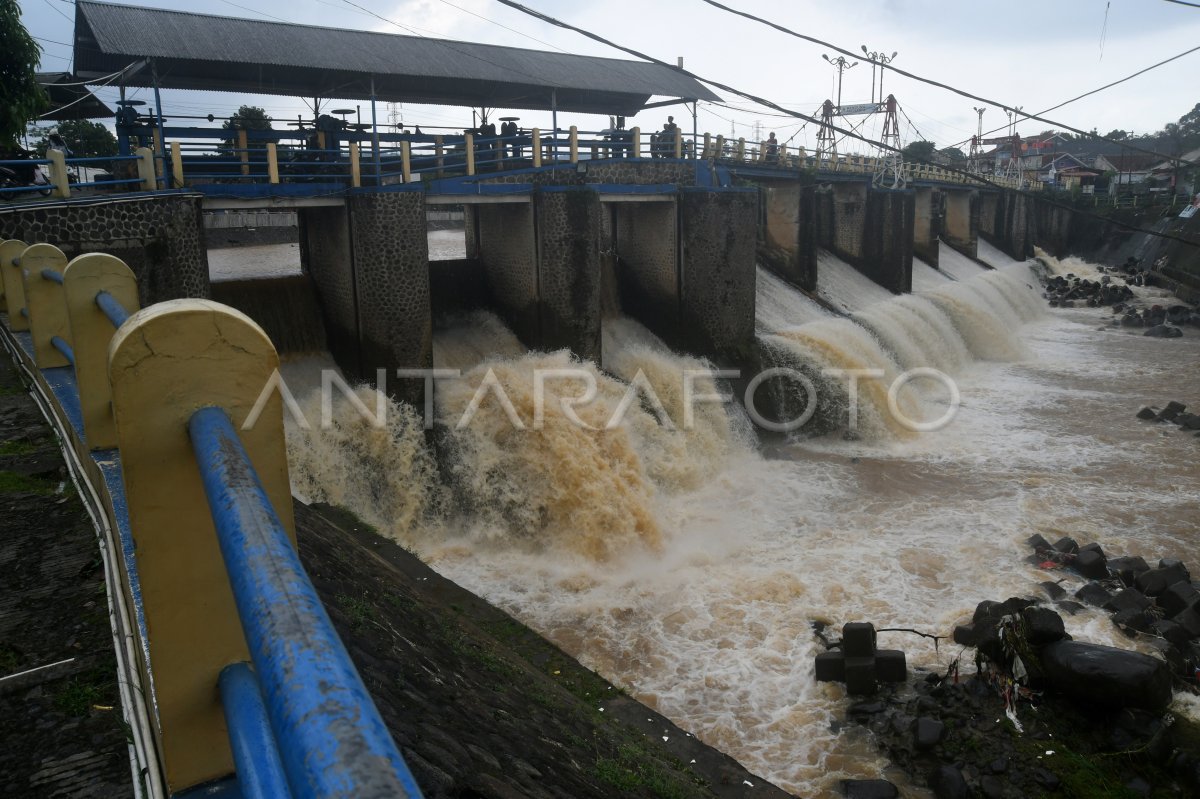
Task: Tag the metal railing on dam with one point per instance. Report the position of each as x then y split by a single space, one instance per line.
233 680
274 163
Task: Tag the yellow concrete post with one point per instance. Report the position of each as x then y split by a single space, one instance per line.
355 166
741 149
91 331
321 139
439 151
678 142
720 151
243 143
272 162
470 144
166 362
537 147
145 168
156 147
707 145
573 140
46 303
406 160
14 288
177 166
637 143
58 173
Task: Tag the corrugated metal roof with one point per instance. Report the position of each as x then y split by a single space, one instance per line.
197 51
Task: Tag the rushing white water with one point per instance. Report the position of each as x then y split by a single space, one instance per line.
957 265
845 287
925 277
687 566
993 255
779 305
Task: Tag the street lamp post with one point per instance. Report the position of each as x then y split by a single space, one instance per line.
878 59
841 65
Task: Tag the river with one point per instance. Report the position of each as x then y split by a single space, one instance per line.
687 566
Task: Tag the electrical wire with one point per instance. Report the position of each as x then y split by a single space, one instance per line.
59 11
940 85
501 25
881 145
85 95
1184 3
255 11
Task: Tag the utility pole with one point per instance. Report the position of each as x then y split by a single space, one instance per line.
826 138
841 65
890 173
878 59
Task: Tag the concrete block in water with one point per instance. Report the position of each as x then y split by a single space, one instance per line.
858 639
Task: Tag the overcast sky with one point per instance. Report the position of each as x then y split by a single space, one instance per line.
1031 54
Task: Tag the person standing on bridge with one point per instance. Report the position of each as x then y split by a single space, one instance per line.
771 149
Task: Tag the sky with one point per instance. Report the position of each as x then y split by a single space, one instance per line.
1022 53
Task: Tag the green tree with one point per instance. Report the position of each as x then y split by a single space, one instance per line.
21 98
247 117
86 139
953 154
919 151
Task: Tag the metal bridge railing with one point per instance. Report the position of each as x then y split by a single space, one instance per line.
299 721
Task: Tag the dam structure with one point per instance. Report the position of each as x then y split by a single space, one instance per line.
624 254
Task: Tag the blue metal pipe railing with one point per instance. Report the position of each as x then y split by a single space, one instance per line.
331 738
112 308
52 276
260 772
63 347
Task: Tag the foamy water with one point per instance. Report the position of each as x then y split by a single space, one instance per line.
688 567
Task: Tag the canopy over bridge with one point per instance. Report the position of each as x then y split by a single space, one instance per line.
206 52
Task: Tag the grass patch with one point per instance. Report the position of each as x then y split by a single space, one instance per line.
78 694
358 609
635 769
17 447
16 483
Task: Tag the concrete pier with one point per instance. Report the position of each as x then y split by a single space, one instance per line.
872 230
960 222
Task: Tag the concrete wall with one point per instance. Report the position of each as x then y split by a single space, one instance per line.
369 263
391 276
325 255
161 238
647 248
849 220
507 249
788 232
718 244
872 230
888 243
989 203
927 219
568 273
960 225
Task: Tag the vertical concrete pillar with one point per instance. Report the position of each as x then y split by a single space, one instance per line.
849 220
1020 226
569 232
648 264
989 210
960 226
507 249
888 243
927 219
717 282
326 256
390 249
873 231
788 238
471 230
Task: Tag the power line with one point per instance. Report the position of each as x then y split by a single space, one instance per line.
253 11
501 25
940 85
1184 3
845 133
59 11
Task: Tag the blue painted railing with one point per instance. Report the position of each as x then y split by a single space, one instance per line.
255 753
330 737
113 309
